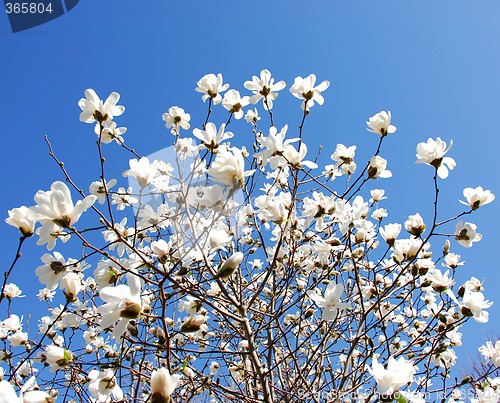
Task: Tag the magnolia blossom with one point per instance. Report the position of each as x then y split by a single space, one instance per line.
11 290
390 232
264 88
175 118
491 352
274 144
415 224
234 103
466 234
331 301
211 86
398 373
104 385
194 323
229 168
303 88
122 303
381 124
161 248
12 323
56 206
477 197
52 271
123 198
452 260
211 137
72 285
473 303
8 395
93 109
292 157
377 167
110 132
19 218
344 158
98 190
377 195
252 116
163 385
56 357
432 153
143 171
230 265
107 273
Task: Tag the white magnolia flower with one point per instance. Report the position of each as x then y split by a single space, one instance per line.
477 197
398 373
104 385
211 137
72 285
93 109
175 118
466 234
415 224
52 271
390 232
381 124
161 248
143 171
193 324
252 116
293 158
230 265
56 206
110 132
185 147
379 214
11 290
211 86
8 395
440 282
234 103
107 273
377 195
491 352
97 189
56 357
163 385
12 323
18 339
331 301
303 88
473 303
377 168
274 144
229 168
264 88
123 198
432 153
122 303
452 260
19 218
344 159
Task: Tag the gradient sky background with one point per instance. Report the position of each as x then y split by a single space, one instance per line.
434 64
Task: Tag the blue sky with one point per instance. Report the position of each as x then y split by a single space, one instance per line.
435 65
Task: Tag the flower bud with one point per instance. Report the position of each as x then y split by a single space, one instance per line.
229 266
163 385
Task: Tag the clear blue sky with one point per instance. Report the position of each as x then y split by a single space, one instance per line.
434 64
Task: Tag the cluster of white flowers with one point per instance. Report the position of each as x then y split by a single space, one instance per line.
241 273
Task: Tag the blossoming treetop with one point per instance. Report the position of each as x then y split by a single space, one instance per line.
245 273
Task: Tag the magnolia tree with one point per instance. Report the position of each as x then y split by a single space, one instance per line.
246 274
